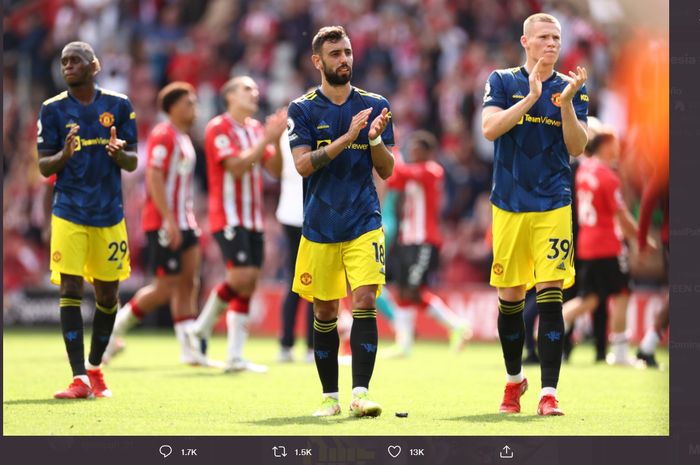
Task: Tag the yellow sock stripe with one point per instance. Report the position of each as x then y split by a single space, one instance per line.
511 311
509 306
68 302
547 301
558 295
369 313
325 327
549 294
106 310
551 291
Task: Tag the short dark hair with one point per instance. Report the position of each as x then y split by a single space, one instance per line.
597 141
327 34
170 94
425 139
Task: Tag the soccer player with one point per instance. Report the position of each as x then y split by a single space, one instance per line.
290 214
169 221
79 138
536 117
421 182
655 193
604 262
338 134
237 146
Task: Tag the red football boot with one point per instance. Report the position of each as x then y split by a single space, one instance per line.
76 390
511 397
549 406
98 383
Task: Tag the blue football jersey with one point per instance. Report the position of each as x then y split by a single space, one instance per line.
88 189
340 201
531 163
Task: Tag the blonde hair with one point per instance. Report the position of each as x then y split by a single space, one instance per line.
539 18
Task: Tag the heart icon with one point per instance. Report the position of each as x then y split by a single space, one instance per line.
394 451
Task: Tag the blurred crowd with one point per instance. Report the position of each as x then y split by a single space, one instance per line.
430 58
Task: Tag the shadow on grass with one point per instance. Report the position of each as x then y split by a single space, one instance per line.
51 401
496 418
304 420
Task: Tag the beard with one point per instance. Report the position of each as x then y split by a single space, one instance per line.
334 79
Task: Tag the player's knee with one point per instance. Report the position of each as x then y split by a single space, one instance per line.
326 310
71 286
166 285
364 299
512 294
106 293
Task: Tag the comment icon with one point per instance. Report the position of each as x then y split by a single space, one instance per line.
165 450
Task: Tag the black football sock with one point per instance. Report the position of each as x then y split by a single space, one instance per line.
550 334
102 326
511 332
363 343
326 344
72 329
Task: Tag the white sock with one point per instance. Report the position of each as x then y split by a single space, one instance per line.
237 331
649 343
124 321
83 378
404 326
548 391
210 313
356 391
90 366
331 394
439 310
620 346
181 336
515 378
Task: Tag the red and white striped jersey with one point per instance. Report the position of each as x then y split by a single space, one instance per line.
171 151
598 199
234 201
422 186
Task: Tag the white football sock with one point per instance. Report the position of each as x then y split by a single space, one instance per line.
90 366
620 346
404 326
439 310
124 321
84 379
356 391
649 343
237 331
331 394
515 378
210 314
181 336
548 391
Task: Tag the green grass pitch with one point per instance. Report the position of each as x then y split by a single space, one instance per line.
444 394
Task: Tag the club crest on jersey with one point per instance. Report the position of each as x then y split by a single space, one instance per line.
555 99
222 141
56 256
107 119
322 143
305 279
497 269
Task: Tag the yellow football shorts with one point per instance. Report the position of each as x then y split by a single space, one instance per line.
89 251
322 269
532 247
